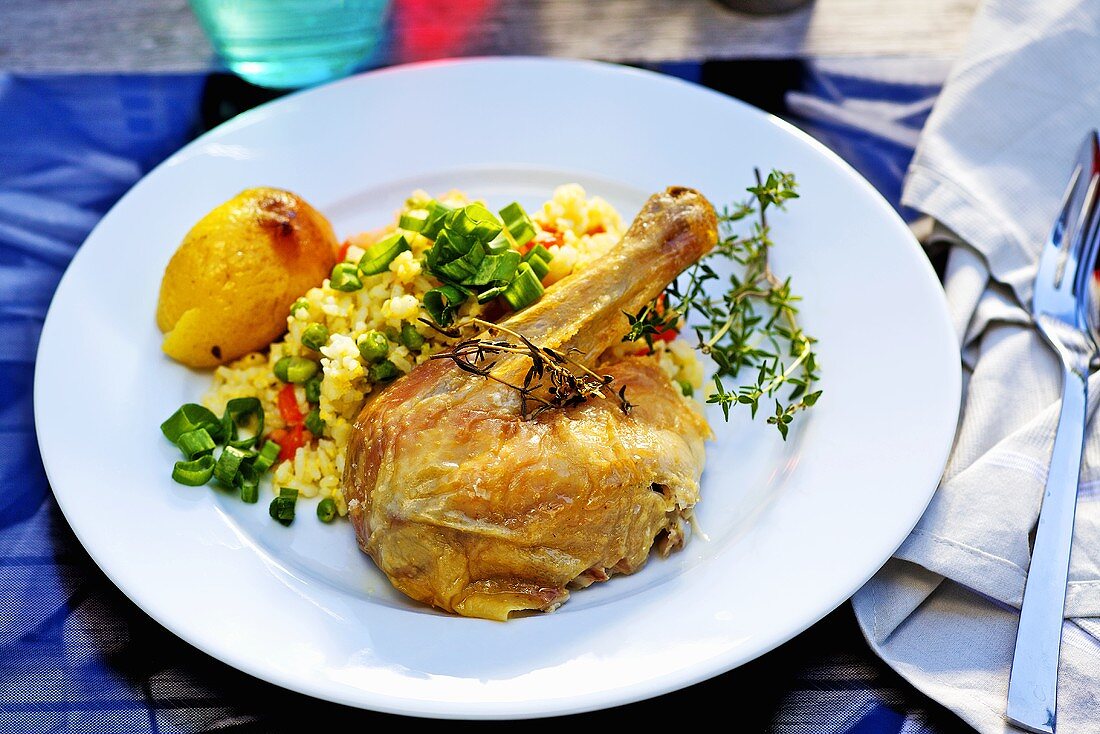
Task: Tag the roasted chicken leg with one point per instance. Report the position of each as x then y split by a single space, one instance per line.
467 506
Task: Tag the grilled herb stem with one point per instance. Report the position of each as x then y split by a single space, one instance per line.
554 380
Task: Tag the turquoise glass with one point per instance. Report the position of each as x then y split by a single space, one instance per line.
293 43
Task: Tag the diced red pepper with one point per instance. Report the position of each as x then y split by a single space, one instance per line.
290 440
342 253
288 406
598 229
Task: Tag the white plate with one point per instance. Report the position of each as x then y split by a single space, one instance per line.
794 528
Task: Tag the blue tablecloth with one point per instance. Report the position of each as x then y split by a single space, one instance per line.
75 655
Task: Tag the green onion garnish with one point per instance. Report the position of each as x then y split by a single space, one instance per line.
229 464
314 424
299 305
373 346
196 443
686 388
250 491
410 337
414 220
315 336
296 369
266 458
538 251
443 303
383 371
434 222
313 389
190 417
239 412
378 256
496 269
518 223
345 277
474 221
540 267
326 510
194 473
524 290
249 480
282 507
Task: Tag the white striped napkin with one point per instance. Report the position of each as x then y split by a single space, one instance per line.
991 166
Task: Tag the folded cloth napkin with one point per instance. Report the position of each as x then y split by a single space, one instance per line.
990 167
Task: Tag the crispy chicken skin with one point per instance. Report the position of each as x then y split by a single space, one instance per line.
465 505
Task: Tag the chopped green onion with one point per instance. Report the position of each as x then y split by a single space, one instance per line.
229 465
383 371
313 389
378 256
194 473
540 267
315 336
250 491
249 480
538 251
443 303
455 257
326 510
686 388
190 417
524 290
414 220
237 414
196 443
518 223
296 369
436 213
345 277
314 424
299 305
266 458
497 269
501 243
373 346
282 507
410 337
474 220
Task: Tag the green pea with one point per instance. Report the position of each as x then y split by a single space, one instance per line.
326 510
410 337
374 346
315 336
383 371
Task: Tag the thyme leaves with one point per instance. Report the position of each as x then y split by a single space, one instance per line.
751 331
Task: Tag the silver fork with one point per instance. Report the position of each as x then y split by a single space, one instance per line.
1060 309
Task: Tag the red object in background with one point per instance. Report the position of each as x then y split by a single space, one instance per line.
429 29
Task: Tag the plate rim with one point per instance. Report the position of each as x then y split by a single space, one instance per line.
664 683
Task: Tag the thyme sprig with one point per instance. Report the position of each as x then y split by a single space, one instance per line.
554 380
751 331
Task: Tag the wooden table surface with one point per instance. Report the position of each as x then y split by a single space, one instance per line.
163 36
